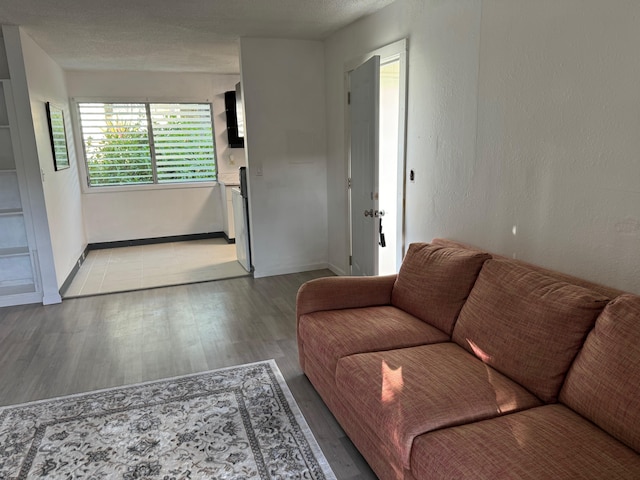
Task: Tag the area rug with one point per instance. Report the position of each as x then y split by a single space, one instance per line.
235 423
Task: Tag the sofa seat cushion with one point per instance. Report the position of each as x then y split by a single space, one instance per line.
545 442
527 325
334 334
434 282
603 384
322 379
403 393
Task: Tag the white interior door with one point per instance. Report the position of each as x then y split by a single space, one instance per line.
364 126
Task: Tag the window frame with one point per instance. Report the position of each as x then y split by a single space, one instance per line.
83 170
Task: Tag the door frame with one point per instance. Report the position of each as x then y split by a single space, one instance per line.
393 51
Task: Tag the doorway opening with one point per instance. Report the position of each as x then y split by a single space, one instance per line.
388 170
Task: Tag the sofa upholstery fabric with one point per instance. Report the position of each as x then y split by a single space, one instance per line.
549 442
331 293
322 379
406 392
337 293
526 325
331 335
434 282
603 384
376 452
436 373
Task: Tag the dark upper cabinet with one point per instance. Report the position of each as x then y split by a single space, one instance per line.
235 140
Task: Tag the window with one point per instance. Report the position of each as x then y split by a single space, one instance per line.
147 143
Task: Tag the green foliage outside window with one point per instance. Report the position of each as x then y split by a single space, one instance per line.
120 150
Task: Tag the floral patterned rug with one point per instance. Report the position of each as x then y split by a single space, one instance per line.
235 423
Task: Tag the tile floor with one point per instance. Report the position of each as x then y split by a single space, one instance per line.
161 264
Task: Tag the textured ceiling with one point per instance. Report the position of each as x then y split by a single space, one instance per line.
171 35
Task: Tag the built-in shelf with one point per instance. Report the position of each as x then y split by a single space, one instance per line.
4 212
4 65
18 279
17 289
14 252
4 117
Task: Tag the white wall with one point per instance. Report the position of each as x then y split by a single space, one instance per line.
46 83
558 136
521 114
133 214
284 97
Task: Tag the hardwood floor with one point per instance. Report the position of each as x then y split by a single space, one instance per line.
104 341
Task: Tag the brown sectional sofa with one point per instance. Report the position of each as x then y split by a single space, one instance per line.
468 365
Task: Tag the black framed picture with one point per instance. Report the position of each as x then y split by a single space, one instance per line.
58 135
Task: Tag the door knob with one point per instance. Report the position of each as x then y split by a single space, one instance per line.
379 213
368 213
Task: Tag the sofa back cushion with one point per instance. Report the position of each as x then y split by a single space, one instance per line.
603 383
434 282
526 325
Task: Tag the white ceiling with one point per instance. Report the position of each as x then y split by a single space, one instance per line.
171 35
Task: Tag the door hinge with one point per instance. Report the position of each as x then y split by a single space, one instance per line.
350 260
348 98
348 182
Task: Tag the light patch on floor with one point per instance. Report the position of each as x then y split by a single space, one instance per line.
158 265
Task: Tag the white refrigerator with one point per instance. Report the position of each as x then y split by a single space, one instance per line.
241 223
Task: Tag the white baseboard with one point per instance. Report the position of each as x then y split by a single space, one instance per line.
20 299
338 271
52 298
285 270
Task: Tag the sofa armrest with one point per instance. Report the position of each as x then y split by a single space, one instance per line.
335 293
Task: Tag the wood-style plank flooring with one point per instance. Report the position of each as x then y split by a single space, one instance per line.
104 341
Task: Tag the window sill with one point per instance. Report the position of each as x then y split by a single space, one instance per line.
138 188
